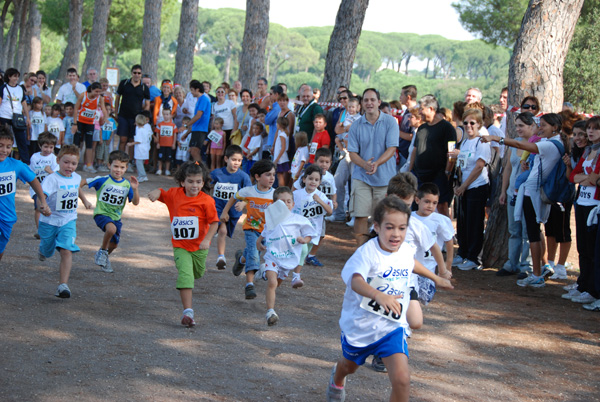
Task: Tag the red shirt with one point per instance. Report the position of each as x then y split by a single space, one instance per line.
166 132
190 217
319 140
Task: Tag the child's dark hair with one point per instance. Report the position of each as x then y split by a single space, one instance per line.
6 133
428 188
117 155
310 170
37 100
68 150
219 120
69 104
47 138
260 167
388 205
403 185
281 190
283 122
232 150
57 107
253 106
259 124
262 111
326 152
193 168
320 116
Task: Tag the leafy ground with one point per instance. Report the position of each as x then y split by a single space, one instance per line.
119 336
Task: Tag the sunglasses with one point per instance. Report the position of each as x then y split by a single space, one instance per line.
136 72
342 98
526 107
469 123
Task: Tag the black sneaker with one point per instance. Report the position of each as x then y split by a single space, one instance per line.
505 272
238 266
522 275
377 365
250 293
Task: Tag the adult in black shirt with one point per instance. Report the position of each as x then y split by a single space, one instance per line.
129 102
429 160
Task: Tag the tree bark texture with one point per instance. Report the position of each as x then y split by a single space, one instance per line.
342 47
95 50
151 37
186 42
73 49
35 41
256 30
3 41
23 44
13 35
536 69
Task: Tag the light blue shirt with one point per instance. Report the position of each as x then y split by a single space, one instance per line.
271 121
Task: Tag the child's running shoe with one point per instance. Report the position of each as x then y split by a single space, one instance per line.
167 173
313 261
41 256
36 235
238 266
532 281
377 365
335 393
297 283
547 270
101 257
107 268
63 291
158 172
221 263
188 318
250 292
272 318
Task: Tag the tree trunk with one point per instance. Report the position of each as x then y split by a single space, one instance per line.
536 69
13 35
342 47
256 30
227 64
7 4
35 43
23 44
71 58
151 37
95 50
406 64
186 42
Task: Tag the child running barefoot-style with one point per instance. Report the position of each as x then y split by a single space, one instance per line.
194 222
112 193
373 319
227 181
284 238
43 163
59 230
11 170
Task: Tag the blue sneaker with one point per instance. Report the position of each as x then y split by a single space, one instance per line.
313 261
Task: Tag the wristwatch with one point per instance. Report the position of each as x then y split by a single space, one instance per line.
501 142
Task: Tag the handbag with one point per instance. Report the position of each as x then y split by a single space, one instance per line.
235 138
18 120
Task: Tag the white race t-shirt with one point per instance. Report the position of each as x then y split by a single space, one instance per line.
471 150
282 247
307 207
62 197
327 185
55 126
393 270
281 136
441 229
38 164
183 149
38 123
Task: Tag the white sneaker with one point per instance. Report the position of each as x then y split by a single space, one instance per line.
142 179
158 172
297 283
101 257
457 260
108 267
584 298
595 306
272 318
167 173
571 293
571 286
531 281
63 291
221 263
351 223
560 272
187 319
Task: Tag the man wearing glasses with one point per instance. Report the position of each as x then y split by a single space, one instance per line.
334 115
129 102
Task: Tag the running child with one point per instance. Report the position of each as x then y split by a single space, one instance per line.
194 222
284 238
372 321
227 181
217 141
43 163
257 199
313 205
183 146
141 144
112 193
165 141
280 156
38 124
59 230
11 170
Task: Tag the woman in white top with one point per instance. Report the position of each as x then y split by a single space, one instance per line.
529 201
12 101
586 175
473 191
225 109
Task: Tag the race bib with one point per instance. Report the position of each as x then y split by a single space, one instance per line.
394 284
107 127
312 210
166 131
8 183
215 137
326 189
41 174
463 157
87 113
114 195
66 200
224 191
184 227
313 148
183 148
37 121
54 129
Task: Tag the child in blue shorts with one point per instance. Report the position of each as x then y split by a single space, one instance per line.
112 193
226 182
59 231
373 319
11 170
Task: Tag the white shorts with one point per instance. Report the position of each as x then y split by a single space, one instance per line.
96 136
282 273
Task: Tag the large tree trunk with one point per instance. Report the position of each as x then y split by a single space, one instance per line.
3 43
151 37
186 42
95 50
342 47
536 69
71 58
227 64
256 30
35 43
23 45
13 35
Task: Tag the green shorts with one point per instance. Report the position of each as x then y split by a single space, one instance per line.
190 265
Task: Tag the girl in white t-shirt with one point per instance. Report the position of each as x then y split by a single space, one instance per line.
141 143
300 157
373 318
282 161
38 123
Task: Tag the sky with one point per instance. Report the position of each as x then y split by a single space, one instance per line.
421 17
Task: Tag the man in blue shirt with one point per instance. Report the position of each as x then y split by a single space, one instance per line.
199 122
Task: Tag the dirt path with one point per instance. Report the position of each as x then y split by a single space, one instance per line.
119 336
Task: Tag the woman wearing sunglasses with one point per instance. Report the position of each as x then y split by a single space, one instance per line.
473 190
531 104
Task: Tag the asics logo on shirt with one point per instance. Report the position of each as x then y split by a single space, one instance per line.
183 222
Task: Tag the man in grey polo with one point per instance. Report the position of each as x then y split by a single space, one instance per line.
372 142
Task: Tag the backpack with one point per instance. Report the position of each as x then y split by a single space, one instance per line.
556 188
